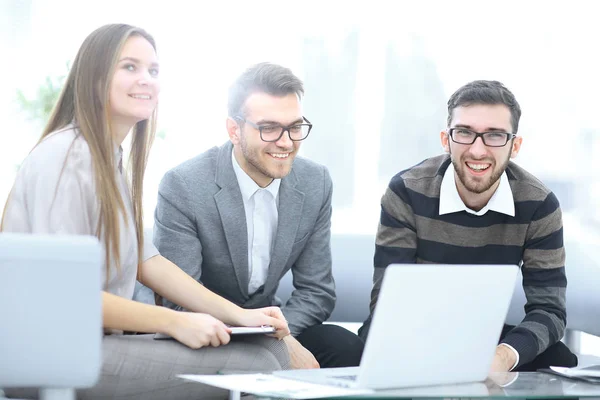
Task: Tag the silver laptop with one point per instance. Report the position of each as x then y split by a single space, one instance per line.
50 308
433 325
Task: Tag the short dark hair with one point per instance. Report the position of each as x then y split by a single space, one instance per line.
485 92
264 77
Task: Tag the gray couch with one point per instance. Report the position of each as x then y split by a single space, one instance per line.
353 272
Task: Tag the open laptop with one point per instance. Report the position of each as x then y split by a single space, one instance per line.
434 324
51 311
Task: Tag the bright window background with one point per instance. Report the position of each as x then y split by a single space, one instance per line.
377 77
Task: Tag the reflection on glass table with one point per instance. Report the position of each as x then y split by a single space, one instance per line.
530 385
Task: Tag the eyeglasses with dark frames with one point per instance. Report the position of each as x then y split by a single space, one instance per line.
274 132
490 139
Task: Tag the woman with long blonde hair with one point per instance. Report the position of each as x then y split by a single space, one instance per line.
73 182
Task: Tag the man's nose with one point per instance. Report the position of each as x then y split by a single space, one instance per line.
478 148
285 141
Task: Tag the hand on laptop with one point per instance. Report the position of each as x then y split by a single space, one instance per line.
197 330
271 316
300 358
504 359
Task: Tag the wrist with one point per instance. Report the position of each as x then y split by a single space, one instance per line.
167 320
289 340
236 316
506 356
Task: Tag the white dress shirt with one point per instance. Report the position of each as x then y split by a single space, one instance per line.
260 206
502 201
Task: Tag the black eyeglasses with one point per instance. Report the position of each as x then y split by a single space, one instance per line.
490 139
274 132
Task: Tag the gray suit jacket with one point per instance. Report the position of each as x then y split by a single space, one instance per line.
200 225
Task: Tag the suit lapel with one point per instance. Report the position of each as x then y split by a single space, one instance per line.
233 217
290 205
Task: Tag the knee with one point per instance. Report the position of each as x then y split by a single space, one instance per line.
280 352
345 342
272 355
334 345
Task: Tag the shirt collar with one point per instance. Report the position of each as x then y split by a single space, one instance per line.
502 200
247 185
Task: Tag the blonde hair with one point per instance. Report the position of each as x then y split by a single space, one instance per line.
84 102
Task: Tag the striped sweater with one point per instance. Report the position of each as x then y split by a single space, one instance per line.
412 231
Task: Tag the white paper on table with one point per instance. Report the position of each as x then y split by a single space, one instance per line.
273 386
577 371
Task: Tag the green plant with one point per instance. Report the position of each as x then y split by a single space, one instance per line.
39 108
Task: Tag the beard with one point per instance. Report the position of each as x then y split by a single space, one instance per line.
252 156
474 185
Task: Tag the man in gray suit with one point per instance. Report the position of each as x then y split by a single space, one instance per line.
238 217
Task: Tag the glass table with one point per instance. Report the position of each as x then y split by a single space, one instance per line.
529 385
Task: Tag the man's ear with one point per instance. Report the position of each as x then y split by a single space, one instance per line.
516 146
445 139
233 130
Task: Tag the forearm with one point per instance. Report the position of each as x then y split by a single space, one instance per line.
544 322
304 310
313 299
545 310
128 315
544 283
169 281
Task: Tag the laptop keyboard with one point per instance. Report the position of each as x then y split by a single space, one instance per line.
347 377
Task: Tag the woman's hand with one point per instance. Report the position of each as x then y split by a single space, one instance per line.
197 330
271 316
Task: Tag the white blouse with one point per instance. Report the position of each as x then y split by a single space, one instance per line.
54 193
